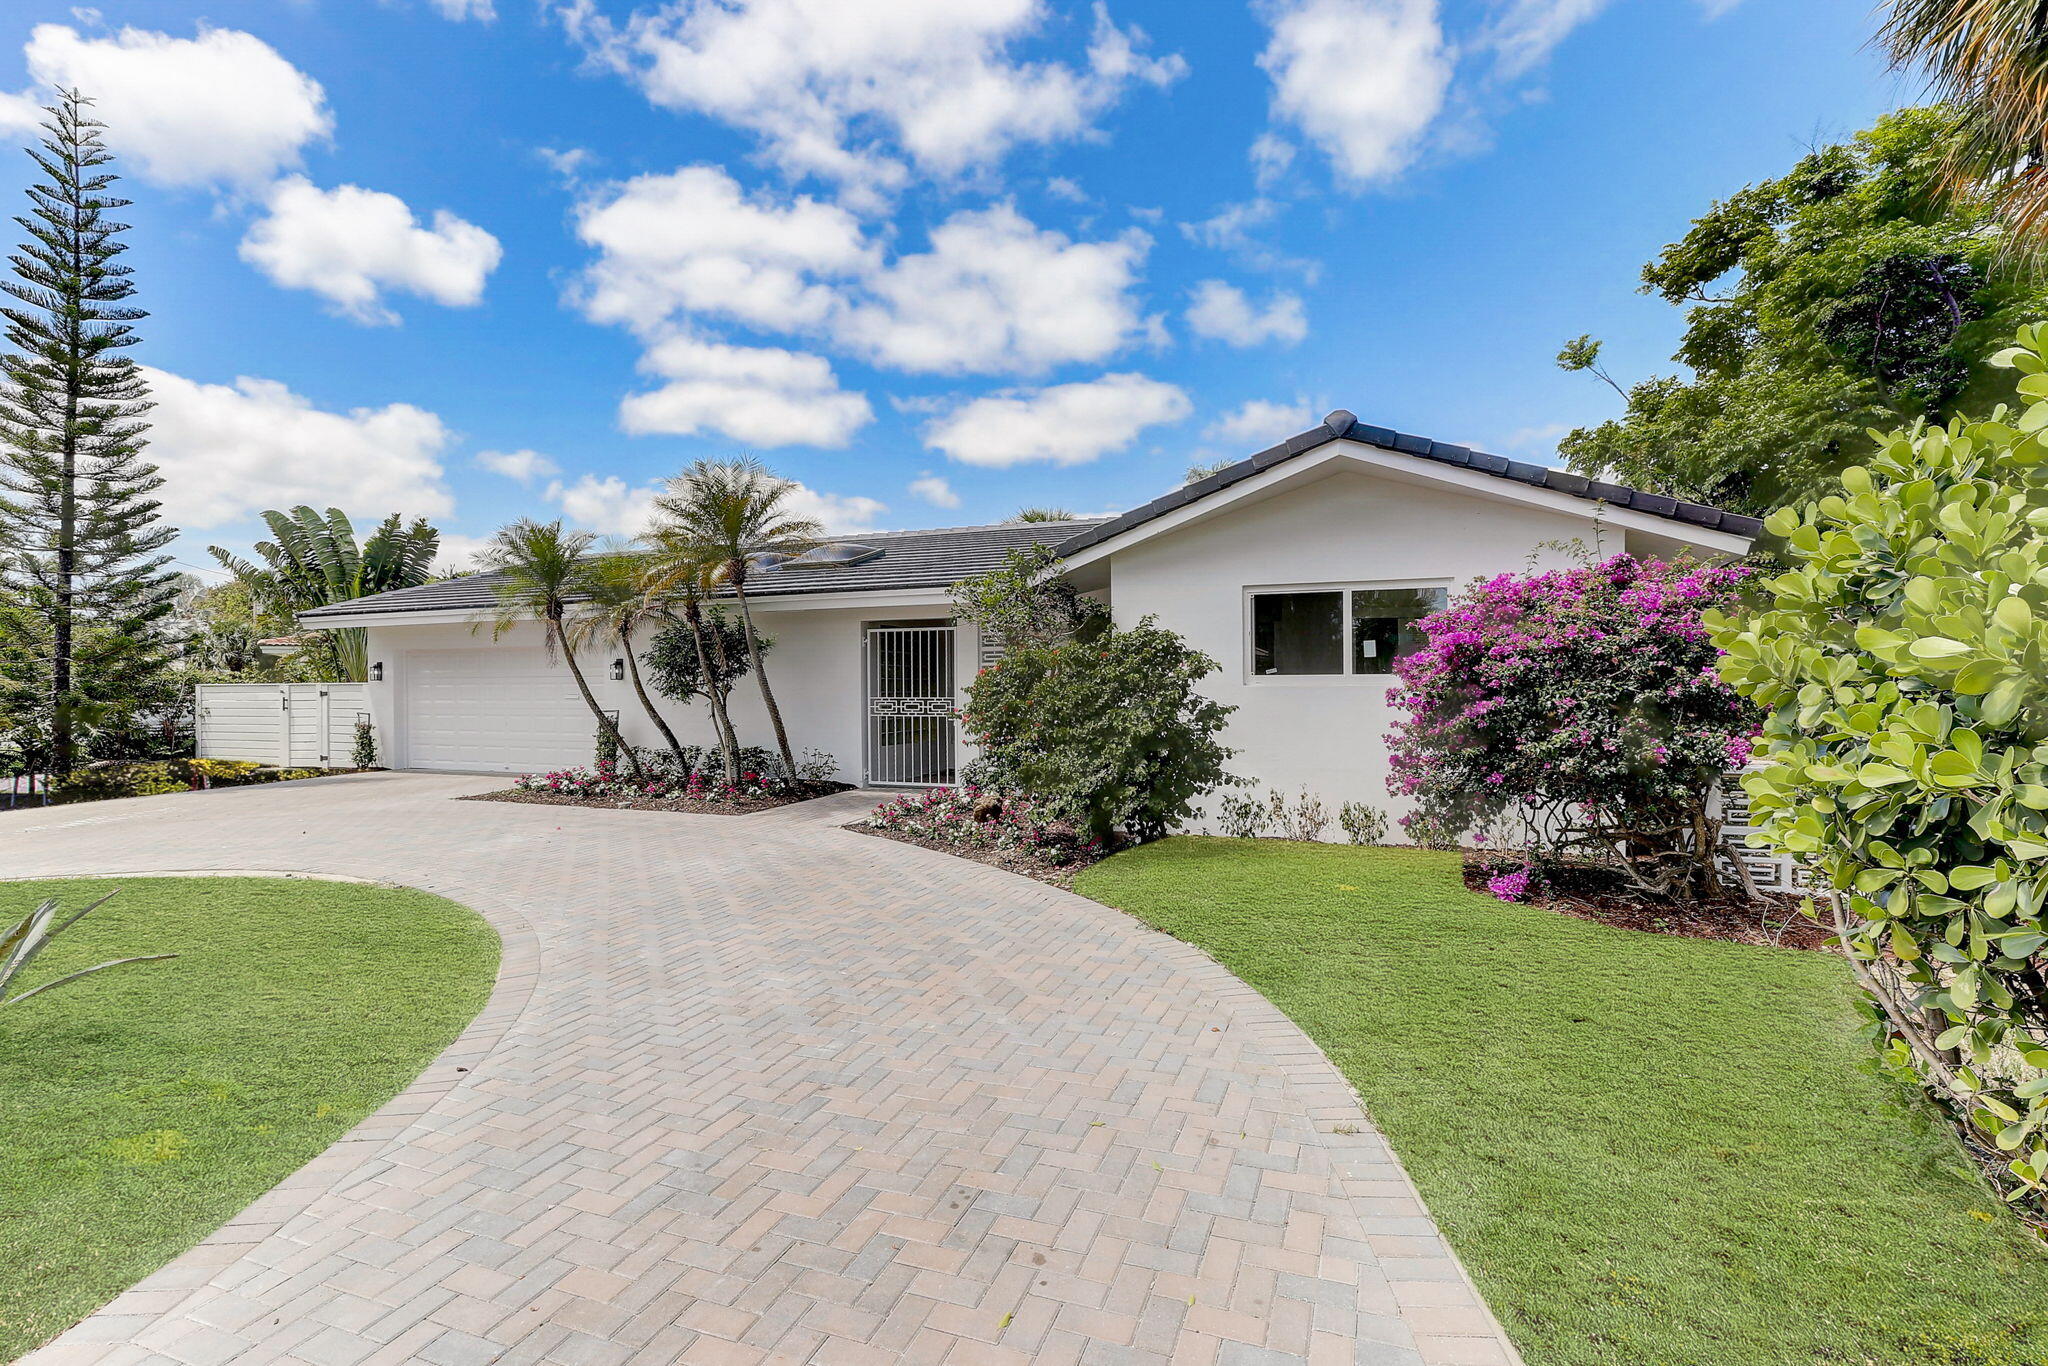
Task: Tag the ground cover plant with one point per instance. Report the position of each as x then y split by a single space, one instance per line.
686 779
1009 832
140 1108
1637 1161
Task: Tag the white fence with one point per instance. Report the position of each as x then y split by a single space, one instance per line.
292 725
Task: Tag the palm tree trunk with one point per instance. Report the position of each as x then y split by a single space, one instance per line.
675 746
728 743
739 590
604 720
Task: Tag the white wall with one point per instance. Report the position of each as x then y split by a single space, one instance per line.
1326 733
815 666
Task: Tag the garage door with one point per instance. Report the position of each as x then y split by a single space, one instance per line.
502 710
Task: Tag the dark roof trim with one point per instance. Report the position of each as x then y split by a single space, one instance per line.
1342 426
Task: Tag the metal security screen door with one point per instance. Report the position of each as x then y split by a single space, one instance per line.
910 726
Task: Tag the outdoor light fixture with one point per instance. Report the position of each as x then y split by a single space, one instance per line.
618 671
377 672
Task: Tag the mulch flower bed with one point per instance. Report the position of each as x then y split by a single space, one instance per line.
1031 863
674 801
1593 894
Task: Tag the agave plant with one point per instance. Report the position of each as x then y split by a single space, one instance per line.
33 933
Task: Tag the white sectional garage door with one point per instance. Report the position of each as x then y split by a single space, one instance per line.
496 709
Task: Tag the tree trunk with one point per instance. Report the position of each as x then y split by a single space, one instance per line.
714 693
739 590
604 720
675 746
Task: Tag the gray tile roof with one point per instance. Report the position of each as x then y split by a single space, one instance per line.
909 559
1341 425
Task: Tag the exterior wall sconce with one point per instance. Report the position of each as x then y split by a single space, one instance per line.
377 672
618 671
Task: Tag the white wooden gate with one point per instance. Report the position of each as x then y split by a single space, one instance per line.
911 727
292 725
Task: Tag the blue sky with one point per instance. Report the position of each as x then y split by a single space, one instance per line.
934 259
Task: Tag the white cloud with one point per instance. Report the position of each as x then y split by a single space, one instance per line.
1538 442
228 452
1062 187
459 10
349 244
1361 79
218 108
1066 424
458 552
1527 31
612 507
1261 423
849 91
993 294
607 506
997 295
1221 310
758 395
692 241
934 489
566 162
1271 155
1227 227
522 465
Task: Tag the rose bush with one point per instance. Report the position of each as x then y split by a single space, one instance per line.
1582 707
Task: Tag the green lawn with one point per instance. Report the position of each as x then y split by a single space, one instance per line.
142 1107
1651 1151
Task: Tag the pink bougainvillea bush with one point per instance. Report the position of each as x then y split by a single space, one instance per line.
1582 708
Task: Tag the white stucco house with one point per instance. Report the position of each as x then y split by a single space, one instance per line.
1299 569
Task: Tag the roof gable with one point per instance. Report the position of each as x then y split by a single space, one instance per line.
1342 426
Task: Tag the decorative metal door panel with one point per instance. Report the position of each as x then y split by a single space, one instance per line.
912 731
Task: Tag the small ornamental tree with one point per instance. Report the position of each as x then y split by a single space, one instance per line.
1108 732
1904 663
1583 705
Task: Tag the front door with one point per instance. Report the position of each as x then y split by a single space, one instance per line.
911 729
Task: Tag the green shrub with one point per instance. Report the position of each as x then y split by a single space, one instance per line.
1904 663
1108 733
1362 823
363 752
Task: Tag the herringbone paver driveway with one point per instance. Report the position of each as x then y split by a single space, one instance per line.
765 1090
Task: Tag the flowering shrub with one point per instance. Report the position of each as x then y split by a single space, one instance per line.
1511 886
970 818
1583 705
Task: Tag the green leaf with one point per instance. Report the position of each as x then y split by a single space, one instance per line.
1938 648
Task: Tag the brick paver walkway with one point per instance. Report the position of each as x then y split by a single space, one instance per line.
763 1090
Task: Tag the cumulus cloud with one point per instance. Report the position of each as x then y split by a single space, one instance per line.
1360 79
349 245
993 293
1261 422
522 465
934 489
458 553
997 295
851 92
758 395
1065 424
1525 33
1222 310
228 451
219 108
612 507
693 241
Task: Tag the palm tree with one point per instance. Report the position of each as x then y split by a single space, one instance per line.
315 561
685 569
542 570
619 606
1044 514
1989 59
733 511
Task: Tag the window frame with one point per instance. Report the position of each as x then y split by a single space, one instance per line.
1349 677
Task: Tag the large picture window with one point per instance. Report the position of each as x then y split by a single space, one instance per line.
1337 631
